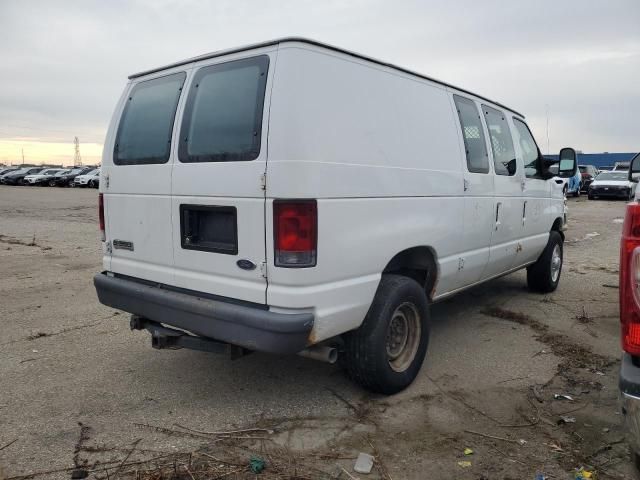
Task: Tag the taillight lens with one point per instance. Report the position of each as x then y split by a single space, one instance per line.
630 280
295 227
101 216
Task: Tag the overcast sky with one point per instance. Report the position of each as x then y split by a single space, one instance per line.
63 64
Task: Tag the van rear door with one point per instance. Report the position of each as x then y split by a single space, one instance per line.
136 179
218 185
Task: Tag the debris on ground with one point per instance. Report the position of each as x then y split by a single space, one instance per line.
584 316
464 464
562 396
565 419
583 474
257 464
364 463
468 451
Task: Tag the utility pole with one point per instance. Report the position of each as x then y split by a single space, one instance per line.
22 150
77 159
547 109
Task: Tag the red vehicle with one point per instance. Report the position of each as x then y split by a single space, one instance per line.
588 173
629 381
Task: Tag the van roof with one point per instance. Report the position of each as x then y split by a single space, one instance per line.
277 41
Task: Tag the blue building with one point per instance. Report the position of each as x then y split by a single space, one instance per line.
601 160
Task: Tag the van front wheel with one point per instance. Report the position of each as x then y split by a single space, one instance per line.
385 354
544 275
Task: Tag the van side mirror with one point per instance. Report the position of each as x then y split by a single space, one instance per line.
568 163
634 169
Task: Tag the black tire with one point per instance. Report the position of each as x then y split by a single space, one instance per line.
368 358
542 276
52 183
590 197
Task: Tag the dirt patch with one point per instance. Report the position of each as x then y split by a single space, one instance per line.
16 241
573 353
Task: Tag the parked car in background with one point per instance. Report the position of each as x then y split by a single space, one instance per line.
571 185
42 178
588 173
91 179
17 177
612 185
621 167
5 170
66 179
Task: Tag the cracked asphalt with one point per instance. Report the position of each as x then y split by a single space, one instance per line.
78 388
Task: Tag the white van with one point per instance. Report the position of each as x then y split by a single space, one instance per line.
293 197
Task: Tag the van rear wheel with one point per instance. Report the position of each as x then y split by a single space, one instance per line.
385 354
544 275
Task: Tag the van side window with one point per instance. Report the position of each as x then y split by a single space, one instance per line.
504 155
146 125
473 135
529 148
222 120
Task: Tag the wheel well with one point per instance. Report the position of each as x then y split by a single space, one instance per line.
557 227
418 263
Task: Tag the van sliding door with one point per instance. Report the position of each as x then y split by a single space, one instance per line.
478 194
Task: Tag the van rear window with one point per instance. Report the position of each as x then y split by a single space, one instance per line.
146 125
222 120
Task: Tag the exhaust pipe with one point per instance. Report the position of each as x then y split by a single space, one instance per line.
321 353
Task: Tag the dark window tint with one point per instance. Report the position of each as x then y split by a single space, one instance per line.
144 133
529 148
223 115
474 143
504 156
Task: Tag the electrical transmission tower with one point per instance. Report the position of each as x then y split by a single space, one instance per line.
77 159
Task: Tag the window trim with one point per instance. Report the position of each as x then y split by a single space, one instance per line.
493 154
464 140
262 61
148 160
539 165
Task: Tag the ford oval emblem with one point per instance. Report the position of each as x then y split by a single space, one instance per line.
246 264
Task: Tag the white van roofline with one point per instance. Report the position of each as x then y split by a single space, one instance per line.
316 43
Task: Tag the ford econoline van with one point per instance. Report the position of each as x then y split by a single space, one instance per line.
293 197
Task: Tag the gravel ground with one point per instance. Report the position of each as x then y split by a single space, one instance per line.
79 389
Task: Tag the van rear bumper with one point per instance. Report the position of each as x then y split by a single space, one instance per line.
243 324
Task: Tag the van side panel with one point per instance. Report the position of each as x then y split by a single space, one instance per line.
378 150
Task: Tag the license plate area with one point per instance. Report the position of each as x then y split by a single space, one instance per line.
209 229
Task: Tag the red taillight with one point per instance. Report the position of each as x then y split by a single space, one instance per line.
630 280
101 215
295 227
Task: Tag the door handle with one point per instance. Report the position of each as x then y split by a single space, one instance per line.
498 205
524 213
